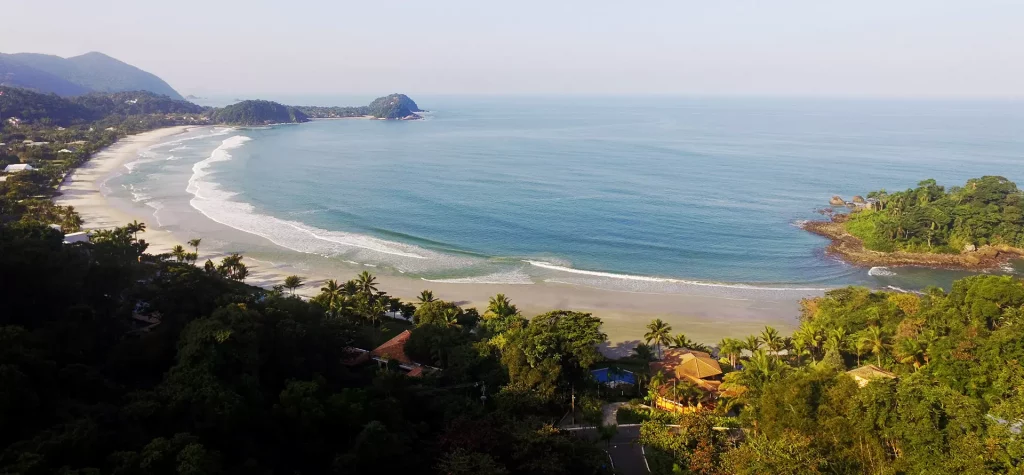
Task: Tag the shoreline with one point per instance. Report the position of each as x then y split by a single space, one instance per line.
851 250
704 318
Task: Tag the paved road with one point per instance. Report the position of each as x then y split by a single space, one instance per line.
625 452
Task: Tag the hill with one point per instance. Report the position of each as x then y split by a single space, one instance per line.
15 74
394 106
34 107
30 107
136 103
90 72
258 112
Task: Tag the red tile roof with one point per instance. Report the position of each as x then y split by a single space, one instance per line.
394 349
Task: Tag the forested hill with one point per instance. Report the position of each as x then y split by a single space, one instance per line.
258 112
90 72
32 107
985 211
394 106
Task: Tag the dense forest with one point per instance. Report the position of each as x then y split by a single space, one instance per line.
985 211
238 379
257 112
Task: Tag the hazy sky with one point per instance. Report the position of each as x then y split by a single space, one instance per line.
766 47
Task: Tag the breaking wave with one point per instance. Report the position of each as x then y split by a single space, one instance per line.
881 272
219 205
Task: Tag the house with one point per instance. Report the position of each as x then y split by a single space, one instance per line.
72 238
696 367
867 373
18 167
394 350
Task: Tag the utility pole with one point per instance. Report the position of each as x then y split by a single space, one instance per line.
573 404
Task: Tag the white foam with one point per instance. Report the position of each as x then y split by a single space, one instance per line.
516 277
172 157
880 272
663 280
218 204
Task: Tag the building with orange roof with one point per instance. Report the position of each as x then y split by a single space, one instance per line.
394 350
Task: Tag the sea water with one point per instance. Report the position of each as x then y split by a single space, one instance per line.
632 193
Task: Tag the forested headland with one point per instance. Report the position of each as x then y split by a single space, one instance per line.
978 225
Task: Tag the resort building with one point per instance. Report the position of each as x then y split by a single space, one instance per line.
868 373
696 367
72 238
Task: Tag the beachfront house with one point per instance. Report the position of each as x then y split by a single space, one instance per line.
392 350
681 367
18 167
868 373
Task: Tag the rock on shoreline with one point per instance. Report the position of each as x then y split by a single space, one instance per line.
851 249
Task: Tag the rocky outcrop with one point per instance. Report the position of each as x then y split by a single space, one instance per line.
837 201
859 199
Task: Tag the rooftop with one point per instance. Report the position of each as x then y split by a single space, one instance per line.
394 349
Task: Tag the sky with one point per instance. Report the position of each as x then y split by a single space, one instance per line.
890 48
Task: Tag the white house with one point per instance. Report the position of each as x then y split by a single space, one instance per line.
18 167
76 237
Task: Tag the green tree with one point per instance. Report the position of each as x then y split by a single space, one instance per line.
293 282
658 332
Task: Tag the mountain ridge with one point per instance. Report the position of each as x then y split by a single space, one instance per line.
78 75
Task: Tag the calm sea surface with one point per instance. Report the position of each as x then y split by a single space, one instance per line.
644 193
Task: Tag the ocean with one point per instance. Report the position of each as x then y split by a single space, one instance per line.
651 194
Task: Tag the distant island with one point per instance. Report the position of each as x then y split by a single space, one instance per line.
393 106
977 226
260 112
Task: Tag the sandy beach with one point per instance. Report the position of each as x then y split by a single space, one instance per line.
701 315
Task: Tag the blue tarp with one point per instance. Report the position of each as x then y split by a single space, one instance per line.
610 375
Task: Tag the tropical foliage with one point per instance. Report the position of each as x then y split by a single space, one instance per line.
929 218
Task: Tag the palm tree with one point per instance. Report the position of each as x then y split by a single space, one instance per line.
837 339
681 341
732 348
643 352
752 343
760 370
367 283
395 305
178 252
194 244
191 257
500 306
772 340
811 338
292 282
875 341
333 295
659 333
135 228
426 296
911 351
450 318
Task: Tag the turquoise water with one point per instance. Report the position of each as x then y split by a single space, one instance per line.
641 192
